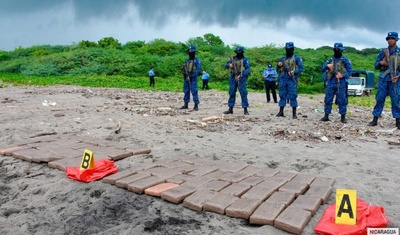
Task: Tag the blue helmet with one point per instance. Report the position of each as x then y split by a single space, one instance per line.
289 45
393 35
191 49
338 45
239 49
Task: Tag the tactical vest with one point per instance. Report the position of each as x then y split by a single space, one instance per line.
239 65
291 64
340 68
395 59
190 66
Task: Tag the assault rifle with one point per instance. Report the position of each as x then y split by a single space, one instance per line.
187 77
288 69
235 71
335 72
392 68
390 64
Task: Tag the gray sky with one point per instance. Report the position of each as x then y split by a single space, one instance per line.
251 23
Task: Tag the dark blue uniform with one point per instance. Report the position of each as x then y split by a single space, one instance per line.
386 86
336 86
288 83
193 67
234 85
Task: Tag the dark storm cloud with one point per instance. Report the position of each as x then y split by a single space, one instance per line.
378 16
374 15
29 21
19 7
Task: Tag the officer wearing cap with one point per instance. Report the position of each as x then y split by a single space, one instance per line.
191 69
269 76
239 66
289 67
388 62
151 76
338 69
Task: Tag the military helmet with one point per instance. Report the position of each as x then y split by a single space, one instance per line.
239 49
191 49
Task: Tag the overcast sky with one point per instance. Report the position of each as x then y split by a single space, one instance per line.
251 23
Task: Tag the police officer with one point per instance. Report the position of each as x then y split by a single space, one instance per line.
151 76
269 75
338 69
388 62
205 77
191 69
239 67
289 67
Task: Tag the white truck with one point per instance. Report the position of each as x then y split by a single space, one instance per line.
361 82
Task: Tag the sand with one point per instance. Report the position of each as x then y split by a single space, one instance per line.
36 199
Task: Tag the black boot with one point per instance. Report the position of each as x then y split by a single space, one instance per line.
229 111
374 122
196 107
246 112
343 118
280 114
185 106
325 118
398 123
294 112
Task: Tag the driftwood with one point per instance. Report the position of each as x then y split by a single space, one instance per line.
214 118
392 142
387 131
197 122
43 134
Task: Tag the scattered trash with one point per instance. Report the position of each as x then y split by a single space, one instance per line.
48 103
196 122
391 142
59 115
319 110
324 138
118 129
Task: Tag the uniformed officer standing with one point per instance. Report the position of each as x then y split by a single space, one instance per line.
338 70
289 67
388 62
269 76
239 66
191 70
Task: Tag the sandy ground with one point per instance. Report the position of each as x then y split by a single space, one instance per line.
36 199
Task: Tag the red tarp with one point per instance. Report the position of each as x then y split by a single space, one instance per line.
103 167
367 217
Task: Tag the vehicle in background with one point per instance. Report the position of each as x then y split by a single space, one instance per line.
361 82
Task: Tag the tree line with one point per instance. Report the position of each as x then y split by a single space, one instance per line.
133 59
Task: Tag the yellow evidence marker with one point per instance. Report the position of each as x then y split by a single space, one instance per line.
346 207
87 160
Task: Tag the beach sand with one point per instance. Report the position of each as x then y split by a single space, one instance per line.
36 199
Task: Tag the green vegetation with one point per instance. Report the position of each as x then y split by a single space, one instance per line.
107 63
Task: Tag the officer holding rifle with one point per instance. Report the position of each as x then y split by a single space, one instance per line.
338 69
239 67
388 62
191 70
289 67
